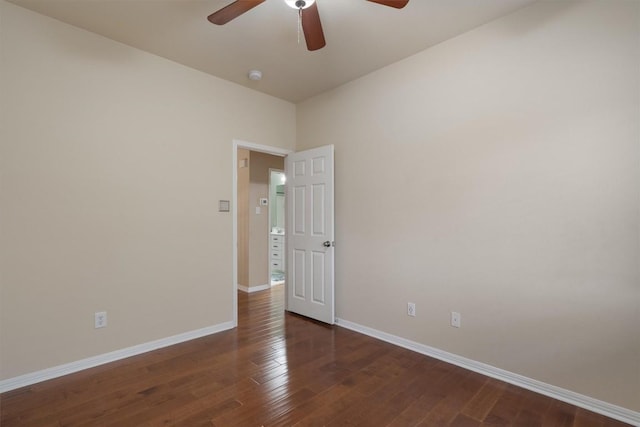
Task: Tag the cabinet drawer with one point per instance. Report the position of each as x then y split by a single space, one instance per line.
276 254
276 265
277 239
276 246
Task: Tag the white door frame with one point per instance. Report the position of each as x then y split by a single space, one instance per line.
276 151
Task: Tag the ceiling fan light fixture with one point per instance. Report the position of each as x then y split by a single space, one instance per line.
299 4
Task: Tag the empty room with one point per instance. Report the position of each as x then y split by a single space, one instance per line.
330 212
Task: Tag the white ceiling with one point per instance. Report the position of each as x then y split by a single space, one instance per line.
361 36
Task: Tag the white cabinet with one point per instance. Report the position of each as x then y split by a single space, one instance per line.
276 252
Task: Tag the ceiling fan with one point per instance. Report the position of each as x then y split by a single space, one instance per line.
308 15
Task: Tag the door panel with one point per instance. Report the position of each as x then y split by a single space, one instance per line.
310 233
298 267
318 211
318 266
298 214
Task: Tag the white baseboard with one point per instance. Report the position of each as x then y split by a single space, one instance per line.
69 368
582 401
250 289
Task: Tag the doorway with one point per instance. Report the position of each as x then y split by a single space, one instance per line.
252 217
309 231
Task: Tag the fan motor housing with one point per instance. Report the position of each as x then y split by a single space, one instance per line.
299 4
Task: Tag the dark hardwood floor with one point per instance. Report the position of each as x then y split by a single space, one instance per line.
279 369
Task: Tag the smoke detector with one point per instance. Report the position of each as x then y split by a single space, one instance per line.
255 75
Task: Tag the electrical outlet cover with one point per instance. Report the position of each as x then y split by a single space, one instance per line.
456 319
411 309
100 319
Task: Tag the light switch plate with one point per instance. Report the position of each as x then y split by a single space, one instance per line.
223 206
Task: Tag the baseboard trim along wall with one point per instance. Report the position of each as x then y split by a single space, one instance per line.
250 289
69 368
582 401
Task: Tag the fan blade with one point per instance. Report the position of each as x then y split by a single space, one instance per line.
232 11
312 28
398 4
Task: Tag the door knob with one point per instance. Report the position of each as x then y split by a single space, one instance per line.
327 244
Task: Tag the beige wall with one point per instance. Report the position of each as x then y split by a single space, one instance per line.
242 210
497 174
112 162
259 223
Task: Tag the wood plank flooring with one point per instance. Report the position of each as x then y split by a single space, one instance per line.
280 369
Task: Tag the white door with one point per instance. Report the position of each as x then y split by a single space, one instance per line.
310 238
